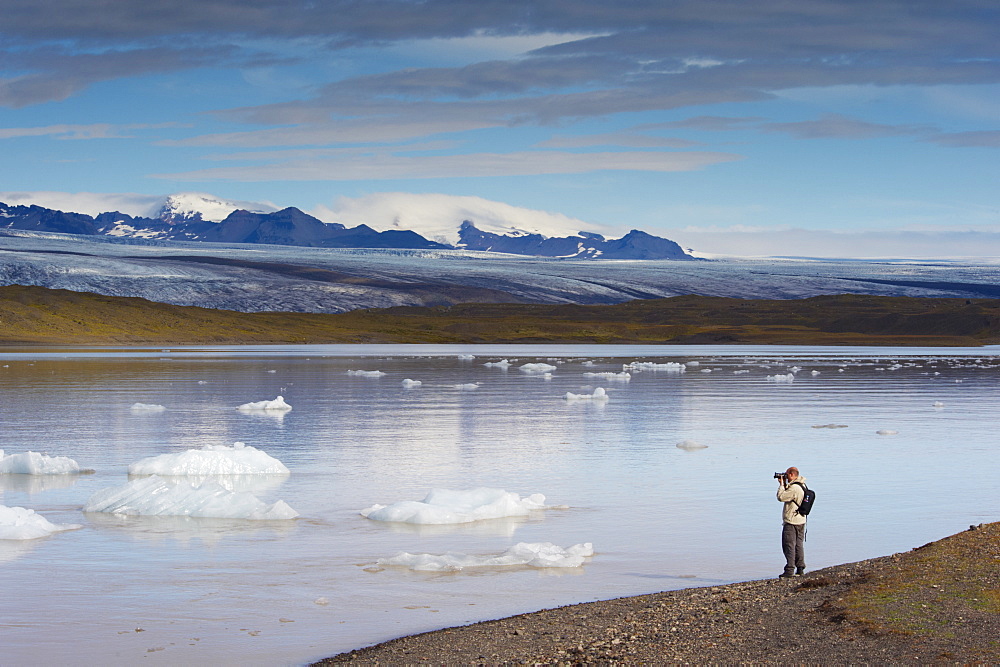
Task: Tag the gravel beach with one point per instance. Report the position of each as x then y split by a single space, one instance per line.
937 603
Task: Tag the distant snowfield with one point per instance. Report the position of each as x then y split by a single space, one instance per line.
265 278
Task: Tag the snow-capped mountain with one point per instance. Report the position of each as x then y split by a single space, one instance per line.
434 221
200 207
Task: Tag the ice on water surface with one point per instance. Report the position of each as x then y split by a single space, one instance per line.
18 523
366 374
34 463
277 405
530 554
240 459
142 408
444 506
155 496
599 395
536 368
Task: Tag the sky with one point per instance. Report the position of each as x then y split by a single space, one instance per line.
775 127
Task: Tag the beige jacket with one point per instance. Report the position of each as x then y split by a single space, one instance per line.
792 497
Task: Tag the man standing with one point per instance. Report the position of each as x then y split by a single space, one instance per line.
791 491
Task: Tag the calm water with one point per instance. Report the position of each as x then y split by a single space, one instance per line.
241 592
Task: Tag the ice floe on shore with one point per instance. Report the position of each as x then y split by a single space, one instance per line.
537 554
34 463
240 459
18 523
155 496
277 405
444 506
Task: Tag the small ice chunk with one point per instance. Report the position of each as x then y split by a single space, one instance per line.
33 463
536 368
277 405
18 523
503 363
787 378
410 384
366 374
670 366
537 554
599 395
321 601
741 371
443 506
693 363
467 386
211 460
624 376
466 357
886 431
154 496
938 404
690 445
587 363
144 408
829 425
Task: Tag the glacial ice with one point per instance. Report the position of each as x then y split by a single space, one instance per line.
466 357
787 378
886 431
670 366
690 445
33 463
536 554
599 395
155 496
277 405
503 363
624 376
411 384
535 369
444 506
240 459
366 374
142 408
467 386
18 523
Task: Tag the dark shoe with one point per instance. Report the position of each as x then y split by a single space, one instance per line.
799 571
785 575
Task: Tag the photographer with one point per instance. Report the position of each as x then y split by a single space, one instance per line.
793 530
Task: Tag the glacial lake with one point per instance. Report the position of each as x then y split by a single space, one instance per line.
899 443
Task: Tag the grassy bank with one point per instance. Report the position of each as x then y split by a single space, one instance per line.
36 315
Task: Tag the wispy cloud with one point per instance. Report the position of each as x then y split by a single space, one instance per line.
459 166
92 131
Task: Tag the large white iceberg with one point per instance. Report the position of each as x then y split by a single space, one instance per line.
443 506
18 523
33 463
537 554
240 459
154 496
277 405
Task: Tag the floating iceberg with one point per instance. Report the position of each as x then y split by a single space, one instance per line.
787 378
534 369
538 554
442 506
670 366
141 408
466 357
277 405
503 363
624 376
18 523
411 384
599 395
33 463
690 445
467 386
366 374
239 459
154 496
886 431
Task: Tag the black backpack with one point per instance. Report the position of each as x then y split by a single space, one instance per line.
808 498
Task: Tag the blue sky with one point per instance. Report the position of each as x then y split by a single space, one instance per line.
715 122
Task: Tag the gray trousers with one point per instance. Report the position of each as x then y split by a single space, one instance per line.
792 538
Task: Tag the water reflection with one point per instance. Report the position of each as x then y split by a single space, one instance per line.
32 484
187 530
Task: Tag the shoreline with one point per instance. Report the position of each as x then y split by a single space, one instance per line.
937 602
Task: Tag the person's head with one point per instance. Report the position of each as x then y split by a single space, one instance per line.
792 473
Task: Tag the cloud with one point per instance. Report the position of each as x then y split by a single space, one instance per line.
984 139
624 139
382 167
92 131
837 126
438 216
90 203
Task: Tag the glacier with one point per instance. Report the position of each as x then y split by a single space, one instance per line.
254 278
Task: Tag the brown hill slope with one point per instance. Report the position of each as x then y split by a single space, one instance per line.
39 315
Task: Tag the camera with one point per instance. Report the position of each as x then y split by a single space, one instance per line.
780 475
